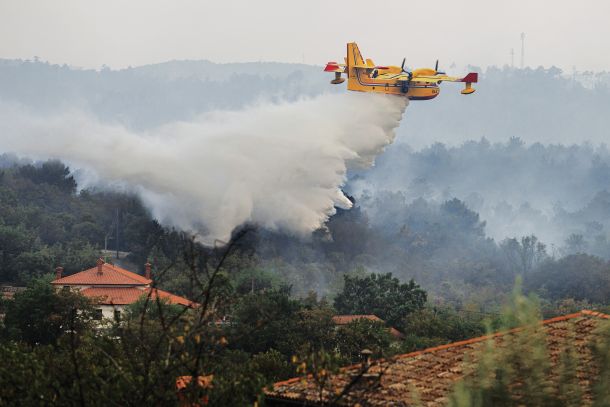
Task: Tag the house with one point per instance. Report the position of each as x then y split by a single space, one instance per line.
182 385
7 292
347 319
113 288
430 374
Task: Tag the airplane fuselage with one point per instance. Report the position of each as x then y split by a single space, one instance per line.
388 84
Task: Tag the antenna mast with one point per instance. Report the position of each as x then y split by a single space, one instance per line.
522 50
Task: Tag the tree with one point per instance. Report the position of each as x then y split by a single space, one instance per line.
52 172
266 320
575 243
525 254
40 315
362 334
578 276
462 220
432 326
381 295
14 240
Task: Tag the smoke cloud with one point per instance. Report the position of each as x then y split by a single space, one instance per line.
280 166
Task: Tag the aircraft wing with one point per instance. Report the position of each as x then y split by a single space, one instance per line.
471 77
436 79
395 76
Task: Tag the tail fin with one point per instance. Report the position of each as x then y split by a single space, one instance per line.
354 57
471 77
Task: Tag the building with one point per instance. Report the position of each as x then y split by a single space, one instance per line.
429 375
182 386
348 319
7 292
113 288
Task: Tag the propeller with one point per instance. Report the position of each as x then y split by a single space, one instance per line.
409 74
436 69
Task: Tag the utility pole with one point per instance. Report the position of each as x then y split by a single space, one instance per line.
522 50
512 57
117 233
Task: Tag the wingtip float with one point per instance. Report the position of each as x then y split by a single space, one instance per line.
419 84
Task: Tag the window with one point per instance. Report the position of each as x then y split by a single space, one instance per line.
98 314
117 315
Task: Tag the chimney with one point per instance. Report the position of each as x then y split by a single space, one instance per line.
148 273
100 263
58 271
366 355
366 377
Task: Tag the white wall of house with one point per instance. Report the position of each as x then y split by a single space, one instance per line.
108 310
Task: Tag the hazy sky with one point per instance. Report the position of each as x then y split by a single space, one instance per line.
564 33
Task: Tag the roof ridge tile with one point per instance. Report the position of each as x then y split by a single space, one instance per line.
114 276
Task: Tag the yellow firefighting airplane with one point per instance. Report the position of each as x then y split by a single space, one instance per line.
365 76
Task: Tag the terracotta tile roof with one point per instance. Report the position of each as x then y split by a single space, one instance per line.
172 298
182 383
347 319
129 295
203 381
8 292
432 372
109 275
114 295
396 333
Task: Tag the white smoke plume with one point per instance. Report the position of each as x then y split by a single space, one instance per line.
280 166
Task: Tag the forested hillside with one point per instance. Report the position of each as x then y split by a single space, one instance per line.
526 151
556 192
544 105
268 300
477 199
45 222
150 96
453 216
